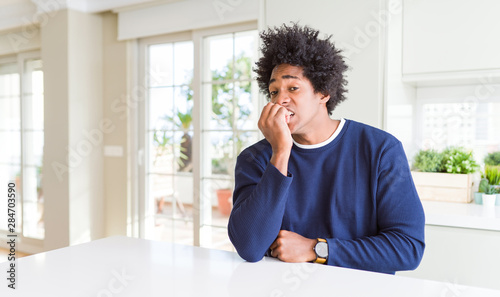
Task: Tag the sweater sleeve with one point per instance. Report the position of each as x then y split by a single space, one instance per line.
259 201
399 243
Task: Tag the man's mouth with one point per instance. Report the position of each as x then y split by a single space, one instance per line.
289 116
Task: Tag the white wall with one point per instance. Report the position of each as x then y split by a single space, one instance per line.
73 178
19 40
400 96
56 131
116 170
87 125
360 32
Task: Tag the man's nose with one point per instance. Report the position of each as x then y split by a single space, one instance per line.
282 98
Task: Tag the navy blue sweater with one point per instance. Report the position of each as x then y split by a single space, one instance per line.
356 191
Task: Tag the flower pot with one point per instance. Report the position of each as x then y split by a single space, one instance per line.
489 200
444 186
224 200
498 200
478 198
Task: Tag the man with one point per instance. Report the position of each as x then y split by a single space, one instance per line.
316 189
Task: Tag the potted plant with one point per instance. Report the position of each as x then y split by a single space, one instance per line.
492 175
493 159
224 166
489 193
444 176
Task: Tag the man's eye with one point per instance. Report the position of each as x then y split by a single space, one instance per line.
294 88
272 93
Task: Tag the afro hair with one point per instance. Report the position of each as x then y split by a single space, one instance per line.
321 62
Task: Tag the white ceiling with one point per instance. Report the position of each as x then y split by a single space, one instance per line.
16 13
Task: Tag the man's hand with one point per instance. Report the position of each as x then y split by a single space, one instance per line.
292 247
273 123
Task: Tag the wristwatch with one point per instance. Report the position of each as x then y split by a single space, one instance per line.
321 250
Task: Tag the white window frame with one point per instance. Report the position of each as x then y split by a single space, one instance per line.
139 119
29 244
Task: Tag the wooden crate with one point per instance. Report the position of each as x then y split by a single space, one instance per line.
444 186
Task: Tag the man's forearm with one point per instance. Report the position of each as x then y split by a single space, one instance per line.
280 161
259 205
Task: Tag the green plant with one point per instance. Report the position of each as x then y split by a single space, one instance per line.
492 174
487 188
458 160
451 160
492 159
428 161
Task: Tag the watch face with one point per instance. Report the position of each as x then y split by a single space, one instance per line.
321 249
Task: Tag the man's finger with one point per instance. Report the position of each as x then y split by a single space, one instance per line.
265 114
274 245
277 112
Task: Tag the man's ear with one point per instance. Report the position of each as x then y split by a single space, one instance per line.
324 98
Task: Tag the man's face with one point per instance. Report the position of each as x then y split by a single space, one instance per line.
289 88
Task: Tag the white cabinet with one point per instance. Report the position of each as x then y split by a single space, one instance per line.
460 256
449 37
462 245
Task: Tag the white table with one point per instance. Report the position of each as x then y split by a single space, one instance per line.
121 266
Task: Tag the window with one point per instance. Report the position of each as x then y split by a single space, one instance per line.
229 125
189 156
460 120
21 135
169 133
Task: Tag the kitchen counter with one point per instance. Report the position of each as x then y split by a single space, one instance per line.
462 215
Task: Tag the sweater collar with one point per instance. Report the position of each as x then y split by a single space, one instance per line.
326 142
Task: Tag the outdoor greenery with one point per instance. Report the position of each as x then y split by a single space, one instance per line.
227 110
451 160
182 121
492 159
